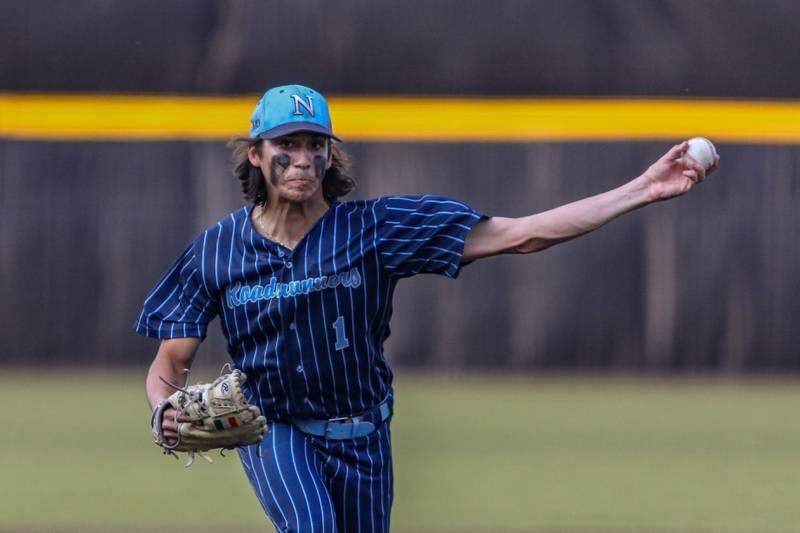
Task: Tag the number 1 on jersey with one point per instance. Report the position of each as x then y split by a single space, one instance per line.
341 337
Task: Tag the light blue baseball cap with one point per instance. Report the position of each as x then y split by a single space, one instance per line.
289 109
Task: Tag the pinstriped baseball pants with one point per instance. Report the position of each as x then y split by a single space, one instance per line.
310 484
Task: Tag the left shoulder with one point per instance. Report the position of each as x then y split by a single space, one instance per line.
353 209
428 203
353 205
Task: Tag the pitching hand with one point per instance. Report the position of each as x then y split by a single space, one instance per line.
673 175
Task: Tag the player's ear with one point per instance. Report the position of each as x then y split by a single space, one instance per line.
329 163
254 153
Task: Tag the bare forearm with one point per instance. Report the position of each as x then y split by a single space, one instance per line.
157 390
542 230
172 358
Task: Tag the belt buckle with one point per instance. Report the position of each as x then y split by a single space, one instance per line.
352 420
340 420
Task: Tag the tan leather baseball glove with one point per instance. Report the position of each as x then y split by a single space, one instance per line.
210 416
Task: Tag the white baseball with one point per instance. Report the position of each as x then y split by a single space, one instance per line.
703 151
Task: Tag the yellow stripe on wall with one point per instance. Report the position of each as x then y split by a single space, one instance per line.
366 119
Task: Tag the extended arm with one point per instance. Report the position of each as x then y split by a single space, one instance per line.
668 177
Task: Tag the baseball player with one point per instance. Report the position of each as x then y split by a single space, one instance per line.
303 287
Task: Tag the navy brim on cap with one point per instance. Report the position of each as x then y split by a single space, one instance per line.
294 127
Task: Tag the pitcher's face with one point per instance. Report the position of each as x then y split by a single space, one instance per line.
294 165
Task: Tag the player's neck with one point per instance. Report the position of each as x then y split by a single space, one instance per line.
288 222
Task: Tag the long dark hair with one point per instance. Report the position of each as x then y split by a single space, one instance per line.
337 182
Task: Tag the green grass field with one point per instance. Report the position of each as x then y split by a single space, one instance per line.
471 454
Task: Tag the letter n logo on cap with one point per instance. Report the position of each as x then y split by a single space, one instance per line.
307 104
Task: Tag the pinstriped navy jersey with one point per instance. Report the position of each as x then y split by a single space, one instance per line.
307 325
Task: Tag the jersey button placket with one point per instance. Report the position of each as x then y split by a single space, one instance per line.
296 383
295 349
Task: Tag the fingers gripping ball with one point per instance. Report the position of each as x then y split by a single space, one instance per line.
703 151
210 416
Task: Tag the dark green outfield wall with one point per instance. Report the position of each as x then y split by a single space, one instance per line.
708 281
